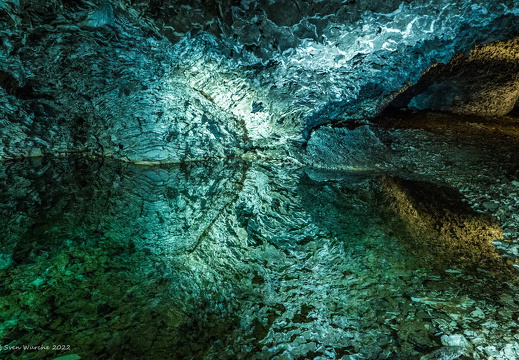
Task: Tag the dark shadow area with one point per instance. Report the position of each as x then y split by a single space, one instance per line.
515 111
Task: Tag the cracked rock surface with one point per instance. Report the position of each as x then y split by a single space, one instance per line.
176 81
255 179
483 83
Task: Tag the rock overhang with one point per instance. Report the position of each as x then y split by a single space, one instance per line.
178 81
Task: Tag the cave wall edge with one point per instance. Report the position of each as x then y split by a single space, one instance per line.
173 82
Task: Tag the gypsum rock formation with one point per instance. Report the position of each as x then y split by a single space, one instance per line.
178 82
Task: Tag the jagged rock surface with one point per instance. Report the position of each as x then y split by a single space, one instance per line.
484 83
235 260
98 77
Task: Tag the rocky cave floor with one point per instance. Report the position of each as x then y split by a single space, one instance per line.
268 260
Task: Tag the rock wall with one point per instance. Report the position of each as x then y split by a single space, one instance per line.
177 81
485 82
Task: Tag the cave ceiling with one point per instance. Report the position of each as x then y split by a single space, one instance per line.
174 81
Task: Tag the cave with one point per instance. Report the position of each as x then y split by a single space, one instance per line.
273 179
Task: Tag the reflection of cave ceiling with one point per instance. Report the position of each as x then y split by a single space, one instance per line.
174 81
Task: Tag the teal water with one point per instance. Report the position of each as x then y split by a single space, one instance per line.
107 260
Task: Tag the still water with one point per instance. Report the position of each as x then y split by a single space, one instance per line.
236 260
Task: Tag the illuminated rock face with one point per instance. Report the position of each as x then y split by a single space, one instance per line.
444 227
485 83
177 81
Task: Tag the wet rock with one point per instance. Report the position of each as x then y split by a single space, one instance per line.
445 224
68 357
357 149
455 340
173 82
510 351
447 353
490 205
5 261
478 313
485 82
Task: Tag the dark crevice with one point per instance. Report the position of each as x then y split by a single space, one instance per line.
8 82
13 87
229 204
515 110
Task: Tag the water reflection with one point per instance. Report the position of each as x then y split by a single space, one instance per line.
223 261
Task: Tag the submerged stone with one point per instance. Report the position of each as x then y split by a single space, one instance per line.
273 262
444 228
